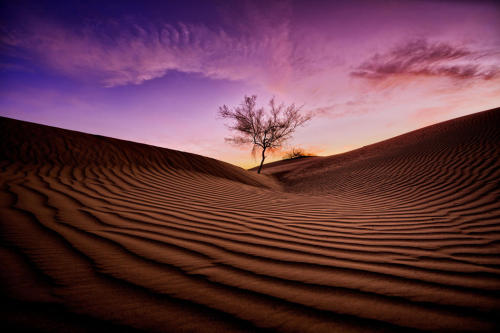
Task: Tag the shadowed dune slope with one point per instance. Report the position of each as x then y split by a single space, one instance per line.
458 143
99 234
38 144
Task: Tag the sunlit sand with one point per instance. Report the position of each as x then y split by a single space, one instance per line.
100 234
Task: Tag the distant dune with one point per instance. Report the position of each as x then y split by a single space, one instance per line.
100 234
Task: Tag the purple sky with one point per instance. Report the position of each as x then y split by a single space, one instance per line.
157 72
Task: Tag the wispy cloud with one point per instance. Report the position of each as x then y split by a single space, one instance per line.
355 107
119 52
423 58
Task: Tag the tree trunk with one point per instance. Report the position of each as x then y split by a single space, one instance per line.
263 158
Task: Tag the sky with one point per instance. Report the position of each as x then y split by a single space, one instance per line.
156 72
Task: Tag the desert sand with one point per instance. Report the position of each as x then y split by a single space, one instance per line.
100 234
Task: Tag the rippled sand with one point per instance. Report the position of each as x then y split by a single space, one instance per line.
99 234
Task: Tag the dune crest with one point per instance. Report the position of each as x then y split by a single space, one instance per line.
401 235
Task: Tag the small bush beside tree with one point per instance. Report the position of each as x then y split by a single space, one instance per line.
296 153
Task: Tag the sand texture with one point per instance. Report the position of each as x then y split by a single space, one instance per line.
99 234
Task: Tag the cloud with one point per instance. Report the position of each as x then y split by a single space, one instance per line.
353 107
422 58
130 51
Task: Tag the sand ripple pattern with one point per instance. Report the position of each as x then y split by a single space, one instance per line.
403 235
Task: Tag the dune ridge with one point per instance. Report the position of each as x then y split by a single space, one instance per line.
400 235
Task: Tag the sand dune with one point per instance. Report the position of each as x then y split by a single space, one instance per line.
101 234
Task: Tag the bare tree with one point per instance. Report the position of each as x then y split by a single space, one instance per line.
265 130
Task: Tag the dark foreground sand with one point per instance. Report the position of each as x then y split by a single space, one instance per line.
99 234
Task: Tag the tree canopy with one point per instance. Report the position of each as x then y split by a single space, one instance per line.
266 130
